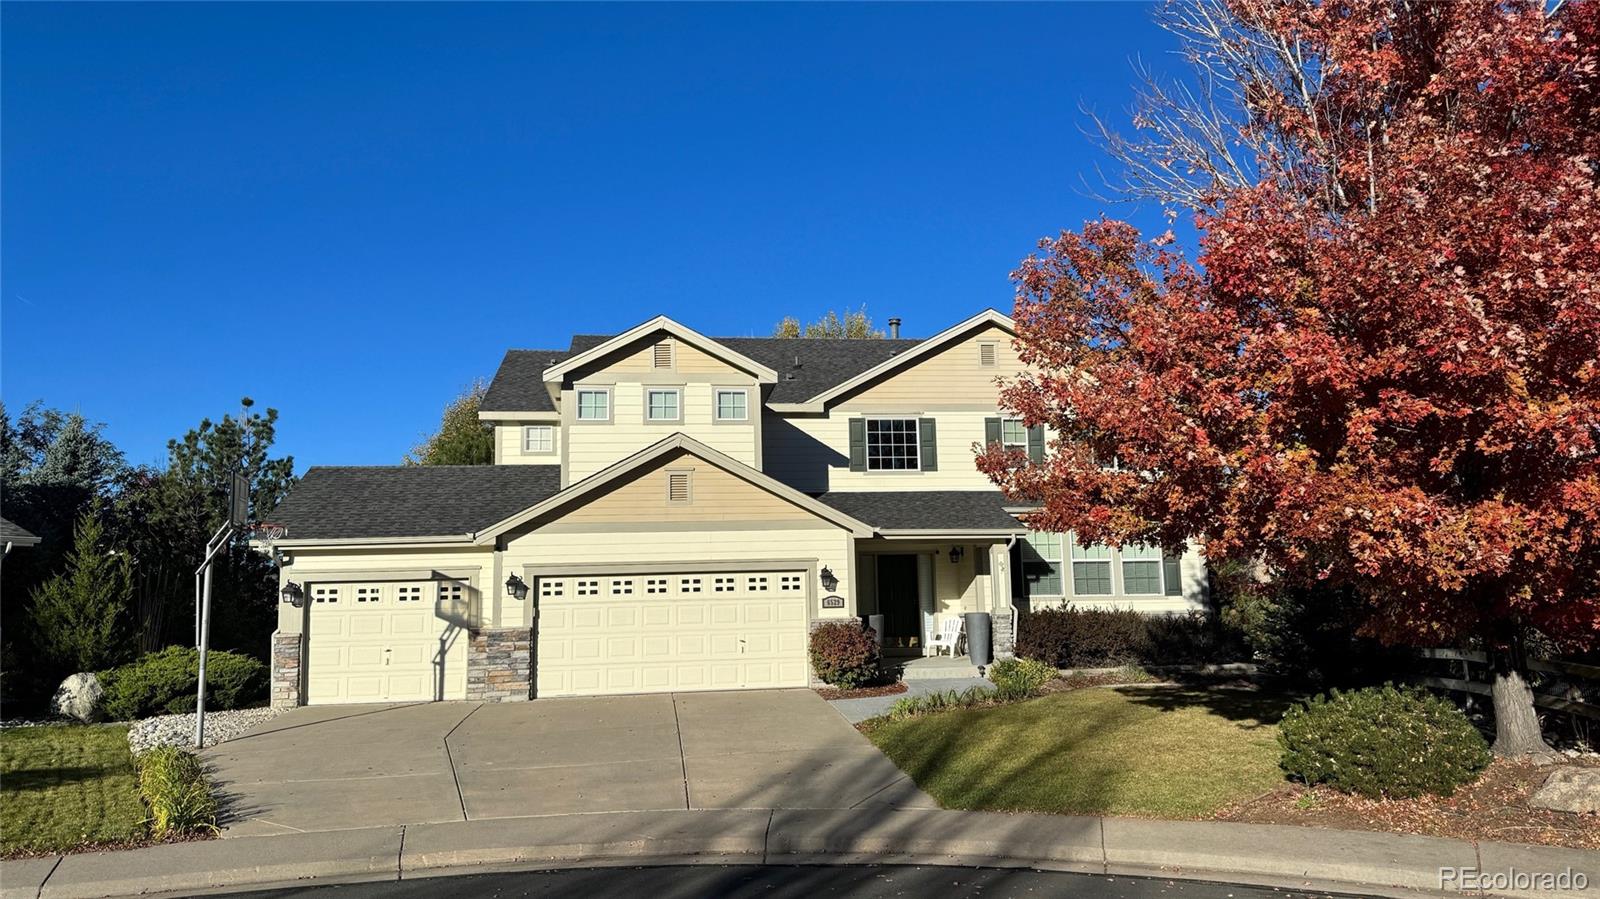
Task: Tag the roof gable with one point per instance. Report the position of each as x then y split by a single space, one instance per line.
660 324
900 361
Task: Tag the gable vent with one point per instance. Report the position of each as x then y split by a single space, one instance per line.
986 355
663 354
677 486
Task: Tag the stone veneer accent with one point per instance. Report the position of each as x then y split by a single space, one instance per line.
1000 630
500 664
286 656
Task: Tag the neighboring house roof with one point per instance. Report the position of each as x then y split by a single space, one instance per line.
15 534
409 501
620 470
943 511
518 385
694 338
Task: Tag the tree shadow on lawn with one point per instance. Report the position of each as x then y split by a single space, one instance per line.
1249 708
29 779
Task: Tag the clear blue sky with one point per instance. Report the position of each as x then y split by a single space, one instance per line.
349 212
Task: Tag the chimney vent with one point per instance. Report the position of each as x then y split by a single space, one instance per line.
894 328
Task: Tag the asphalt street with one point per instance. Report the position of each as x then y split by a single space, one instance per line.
854 882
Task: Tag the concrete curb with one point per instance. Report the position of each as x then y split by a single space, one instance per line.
1292 857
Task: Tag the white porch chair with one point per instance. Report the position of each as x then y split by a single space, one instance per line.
946 634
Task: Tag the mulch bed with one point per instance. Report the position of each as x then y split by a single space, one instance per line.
1493 808
832 693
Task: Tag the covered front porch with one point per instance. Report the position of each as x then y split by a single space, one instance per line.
916 592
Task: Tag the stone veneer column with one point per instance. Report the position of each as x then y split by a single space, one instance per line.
500 665
286 658
1000 629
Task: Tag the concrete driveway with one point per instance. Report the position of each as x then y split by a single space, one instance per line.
338 767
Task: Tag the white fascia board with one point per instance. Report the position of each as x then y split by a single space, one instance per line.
688 335
932 344
388 542
951 534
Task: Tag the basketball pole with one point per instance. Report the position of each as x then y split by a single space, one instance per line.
238 517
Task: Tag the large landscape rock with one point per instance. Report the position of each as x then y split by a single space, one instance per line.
1570 789
78 697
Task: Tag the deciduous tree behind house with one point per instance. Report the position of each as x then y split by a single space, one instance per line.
1389 380
461 439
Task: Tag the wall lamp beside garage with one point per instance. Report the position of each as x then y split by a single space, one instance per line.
516 588
293 595
830 583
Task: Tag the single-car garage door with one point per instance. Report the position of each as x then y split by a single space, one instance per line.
651 633
385 642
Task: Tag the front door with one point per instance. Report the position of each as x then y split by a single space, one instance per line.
897 601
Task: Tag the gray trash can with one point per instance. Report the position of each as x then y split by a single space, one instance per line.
980 643
876 623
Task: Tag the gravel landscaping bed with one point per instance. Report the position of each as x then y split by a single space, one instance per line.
178 730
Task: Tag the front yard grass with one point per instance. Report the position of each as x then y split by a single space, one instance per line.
63 787
1169 752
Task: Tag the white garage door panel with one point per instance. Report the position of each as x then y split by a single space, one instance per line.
383 642
671 632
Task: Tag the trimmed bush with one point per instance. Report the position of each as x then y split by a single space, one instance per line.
1382 742
844 654
1106 638
175 789
163 683
1020 678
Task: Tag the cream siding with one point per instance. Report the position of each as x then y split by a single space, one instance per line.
714 496
332 565
812 453
593 446
951 375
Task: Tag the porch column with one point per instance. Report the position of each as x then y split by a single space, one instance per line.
1002 616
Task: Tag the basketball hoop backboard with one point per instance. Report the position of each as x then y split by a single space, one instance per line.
239 501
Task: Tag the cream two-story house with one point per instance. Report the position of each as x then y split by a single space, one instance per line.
669 511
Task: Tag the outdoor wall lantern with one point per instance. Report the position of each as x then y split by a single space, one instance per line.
515 588
293 595
829 582
956 554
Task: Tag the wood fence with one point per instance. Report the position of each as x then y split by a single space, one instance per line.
1475 678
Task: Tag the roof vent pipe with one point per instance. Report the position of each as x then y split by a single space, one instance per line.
894 328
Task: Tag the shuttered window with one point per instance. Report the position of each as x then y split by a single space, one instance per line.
892 444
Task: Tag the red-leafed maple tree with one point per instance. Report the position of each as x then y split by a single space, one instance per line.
1383 369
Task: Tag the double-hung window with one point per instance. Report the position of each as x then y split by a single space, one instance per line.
1013 434
662 404
1044 574
892 444
1091 570
538 439
733 405
594 405
1141 570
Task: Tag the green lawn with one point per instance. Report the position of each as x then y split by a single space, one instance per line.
64 786
1168 752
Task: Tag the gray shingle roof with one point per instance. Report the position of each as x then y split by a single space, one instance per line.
410 500
978 510
823 363
518 385
11 532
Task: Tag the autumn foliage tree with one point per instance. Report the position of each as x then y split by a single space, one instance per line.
1382 370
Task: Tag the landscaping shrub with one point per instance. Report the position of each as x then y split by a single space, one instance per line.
844 654
174 787
1020 678
1382 742
911 706
163 683
1104 638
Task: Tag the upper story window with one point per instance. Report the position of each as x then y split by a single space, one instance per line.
733 405
1013 434
594 405
538 439
663 404
892 444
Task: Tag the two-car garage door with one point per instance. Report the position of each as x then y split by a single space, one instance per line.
670 631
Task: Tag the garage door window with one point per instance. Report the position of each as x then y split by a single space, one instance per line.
790 583
725 584
369 594
689 585
757 584
588 588
408 594
325 594
620 587
655 585
552 589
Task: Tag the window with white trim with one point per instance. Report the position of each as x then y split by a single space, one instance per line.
1091 570
1044 574
733 405
594 405
1013 433
1141 570
538 439
893 444
663 405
